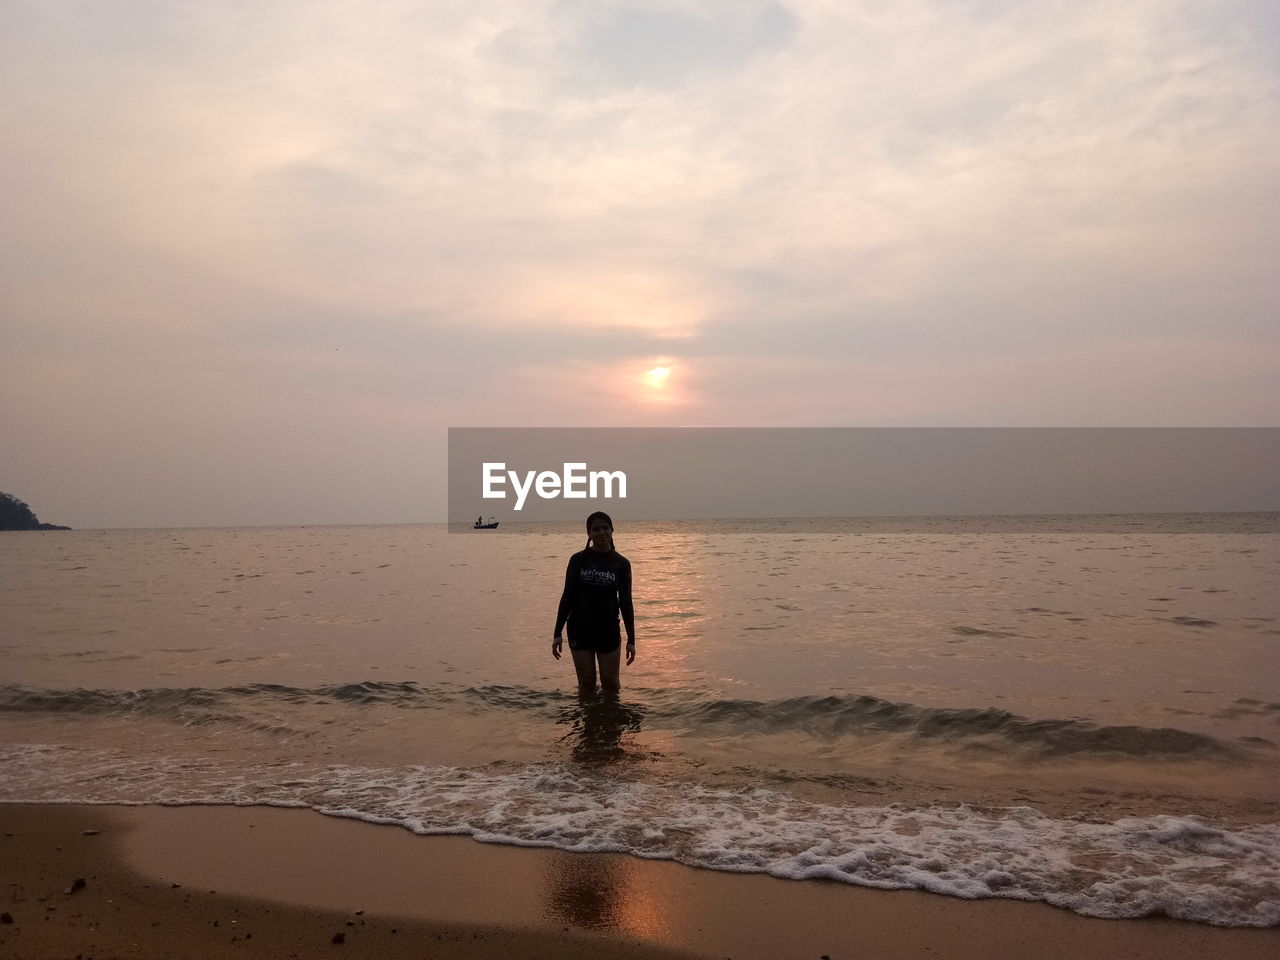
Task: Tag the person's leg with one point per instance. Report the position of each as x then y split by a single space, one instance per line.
609 666
584 662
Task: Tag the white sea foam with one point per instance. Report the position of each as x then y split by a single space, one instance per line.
1180 865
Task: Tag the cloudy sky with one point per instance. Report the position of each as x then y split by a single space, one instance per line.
256 257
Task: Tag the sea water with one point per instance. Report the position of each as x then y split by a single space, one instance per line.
1080 712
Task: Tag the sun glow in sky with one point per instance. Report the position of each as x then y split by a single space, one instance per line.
256 258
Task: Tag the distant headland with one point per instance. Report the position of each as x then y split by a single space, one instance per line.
16 515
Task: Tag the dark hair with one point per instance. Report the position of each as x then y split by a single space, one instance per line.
598 515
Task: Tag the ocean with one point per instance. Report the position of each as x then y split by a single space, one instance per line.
1079 711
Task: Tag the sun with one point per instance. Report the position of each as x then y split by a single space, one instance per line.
657 377
658 381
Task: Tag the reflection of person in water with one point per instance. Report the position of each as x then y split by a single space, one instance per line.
596 728
597 587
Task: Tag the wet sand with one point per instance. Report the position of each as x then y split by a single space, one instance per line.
251 881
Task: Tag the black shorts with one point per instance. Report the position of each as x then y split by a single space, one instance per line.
598 636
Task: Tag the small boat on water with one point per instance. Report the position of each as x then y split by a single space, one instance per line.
481 525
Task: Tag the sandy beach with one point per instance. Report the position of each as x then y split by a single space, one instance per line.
236 881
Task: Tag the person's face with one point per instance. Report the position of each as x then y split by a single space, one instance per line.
601 534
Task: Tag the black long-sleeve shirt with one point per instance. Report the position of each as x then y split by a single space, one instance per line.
597 586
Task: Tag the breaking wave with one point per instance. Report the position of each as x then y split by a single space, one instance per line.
974 729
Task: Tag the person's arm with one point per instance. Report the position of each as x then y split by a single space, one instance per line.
628 610
566 604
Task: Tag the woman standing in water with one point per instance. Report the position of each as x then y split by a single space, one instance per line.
597 586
